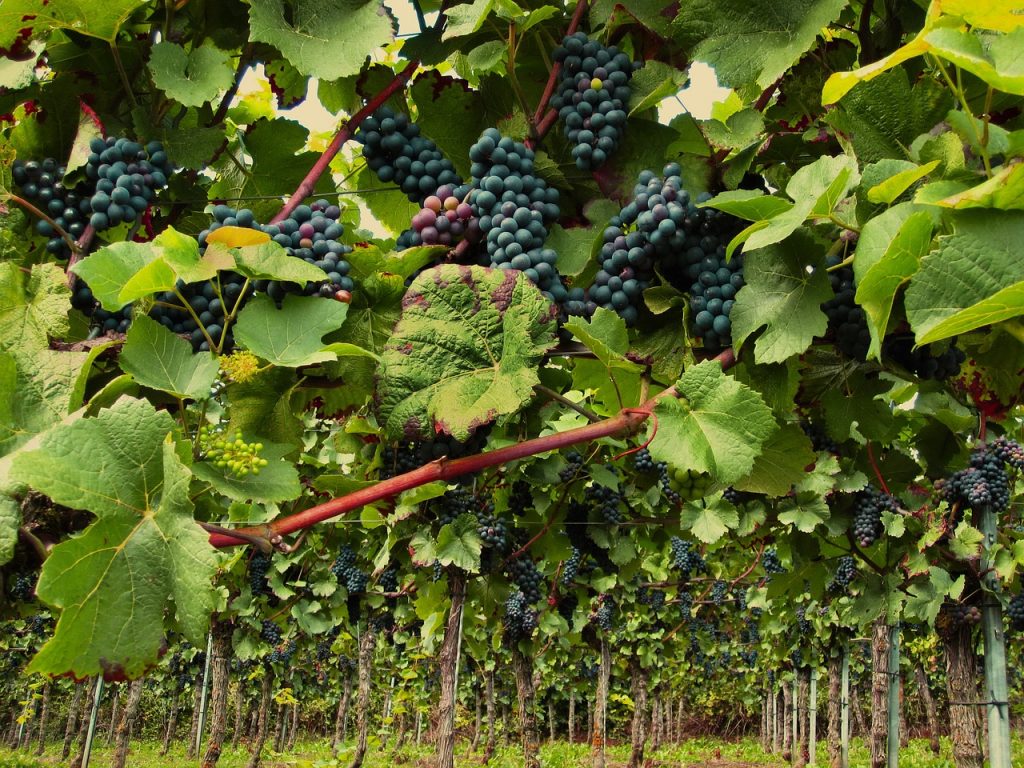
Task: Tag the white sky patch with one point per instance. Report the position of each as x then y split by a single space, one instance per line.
700 94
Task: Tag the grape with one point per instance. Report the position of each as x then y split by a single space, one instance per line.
344 569
445 219
771 562
846 571
820 441
126 175
396 152
1015 612
574 467
43 185
520 499
524 574
689 484
270 632
572 566
592 97
868 505
686 559
608 500
605 613
803 625
644 462
491 528
952 616
847 322
23 587
388 581
258 567
1008 451
983 483
567 607
922 361
719 591
520 618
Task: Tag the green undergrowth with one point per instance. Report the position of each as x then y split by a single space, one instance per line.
693 752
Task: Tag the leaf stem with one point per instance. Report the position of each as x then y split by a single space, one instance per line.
35 542
119 65
191 310
68 239
584 412
628 421
305 188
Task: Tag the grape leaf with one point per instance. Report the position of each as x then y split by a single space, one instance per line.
269 261
710 522
143 555
782 295
781 464
451 114
751 43
102 20
191 78
927 597
33 306
158 359
464 352
292 335
717 425
37 388
10 520
458 544
606 336
327 39
278 481
975 277
804 512
889 250
110 268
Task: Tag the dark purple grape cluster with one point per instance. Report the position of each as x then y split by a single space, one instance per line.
452 503
259 565
1008 451
491 528
605 614
520 618
127 176
804 626
520 499
396 151
592 97
820 441
445 219
524 574
771 563
572 566
574 468
686 558
608 500
926 361
868 506
846 320
346 572
283 653
719 591
655 598
984 483
952 616
23 587
846 571
270 632
644 463
41 183
388 581
1015 612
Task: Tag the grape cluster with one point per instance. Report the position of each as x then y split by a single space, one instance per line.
771 562
572 566
608 500
520 618
574 467
490 527
605 613
644 463
237 456
445 219
719 591
820 441
283 653
41 183
323 650
524 574
23 587
345 571
952 616
688 484
270 632
396 151
923 361
388 581
127 176
983 483
868 506
592 97
847 321
520 499
259 565
686 558
803 624
1008 451
846 571
452 503
404 457
1015 612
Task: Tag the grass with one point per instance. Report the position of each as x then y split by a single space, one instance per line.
316 754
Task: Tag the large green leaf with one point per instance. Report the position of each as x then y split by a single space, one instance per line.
292 335
159 359
102 20
327 39
717 425
781 465
784 296
465 351
975 277
751 43
710 522
143 557
194 77
37 388
451 114
33 306
889 250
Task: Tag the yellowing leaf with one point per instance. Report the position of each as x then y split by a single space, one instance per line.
237 237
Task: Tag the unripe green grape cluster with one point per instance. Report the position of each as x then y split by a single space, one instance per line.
237 456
